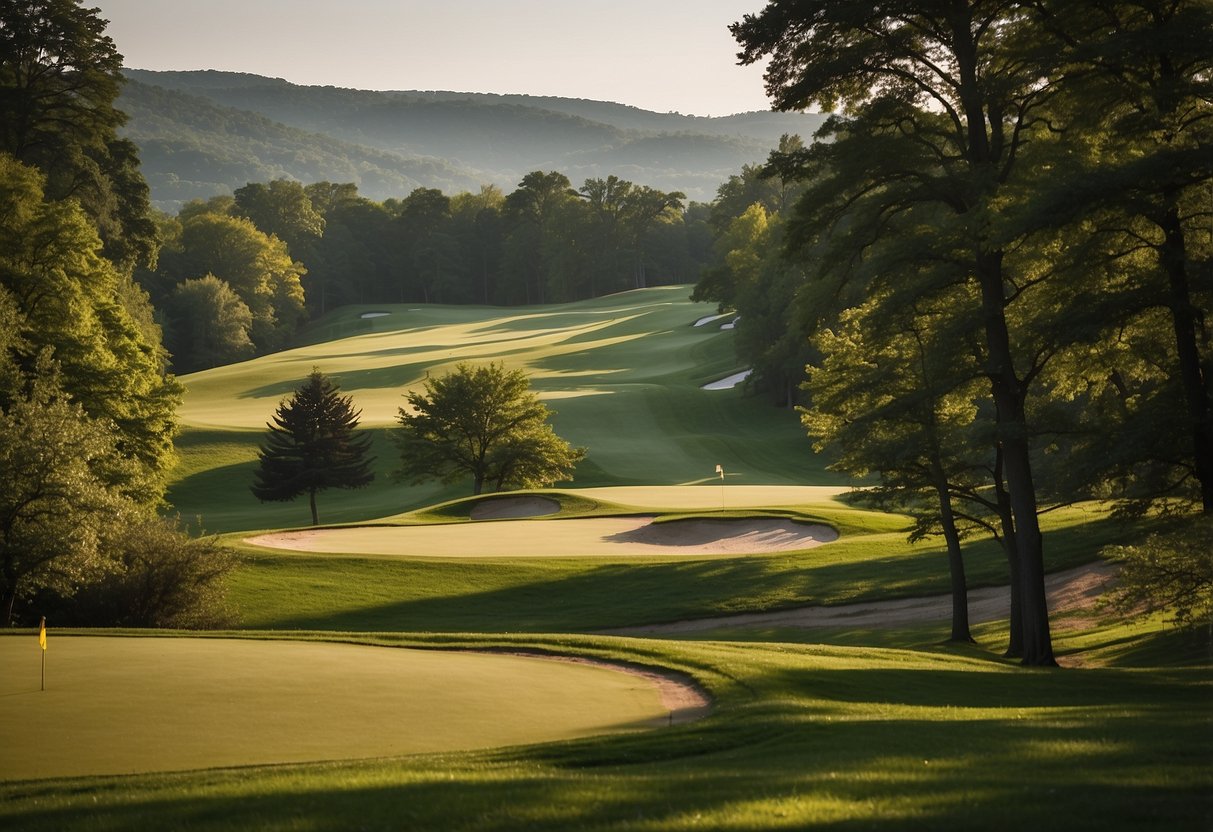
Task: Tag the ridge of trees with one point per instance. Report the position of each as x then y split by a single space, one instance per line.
206 133
233 272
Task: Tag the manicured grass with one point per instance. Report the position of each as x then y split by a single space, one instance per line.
871 560
133 705
800 737
623 374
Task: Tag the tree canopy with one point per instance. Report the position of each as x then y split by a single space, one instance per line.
311 446
485 423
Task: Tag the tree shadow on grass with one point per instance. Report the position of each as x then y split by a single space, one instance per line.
771 769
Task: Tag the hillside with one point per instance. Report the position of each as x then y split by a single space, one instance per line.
623 373
205 132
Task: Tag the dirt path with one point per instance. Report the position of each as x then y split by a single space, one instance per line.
1069 591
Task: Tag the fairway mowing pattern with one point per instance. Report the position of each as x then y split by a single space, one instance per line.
127 705
602 537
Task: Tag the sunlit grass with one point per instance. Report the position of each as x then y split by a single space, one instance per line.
801 736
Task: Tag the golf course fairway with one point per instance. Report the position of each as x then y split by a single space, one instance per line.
117 705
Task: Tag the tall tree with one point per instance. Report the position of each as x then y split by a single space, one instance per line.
482 422
1137 187
69 299
311 446
958 86
59 77
257 266
208 325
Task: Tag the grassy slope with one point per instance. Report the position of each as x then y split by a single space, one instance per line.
623 374
802 737
847 737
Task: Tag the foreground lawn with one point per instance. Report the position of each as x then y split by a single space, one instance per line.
801 736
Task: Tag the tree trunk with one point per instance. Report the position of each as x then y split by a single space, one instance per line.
1012 434
956 566
478 484
1183 319
1007 521
311 500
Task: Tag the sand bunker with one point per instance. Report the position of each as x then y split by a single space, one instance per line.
586 537
374 314
728 382
709 319
505 508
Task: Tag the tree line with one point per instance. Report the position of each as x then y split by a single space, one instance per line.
236 276
996 267
87 406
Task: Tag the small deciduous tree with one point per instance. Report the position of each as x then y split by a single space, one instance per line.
483 422
311 446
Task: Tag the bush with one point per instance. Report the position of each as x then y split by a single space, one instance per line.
1169 570
162 578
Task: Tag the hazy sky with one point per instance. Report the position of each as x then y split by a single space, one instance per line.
657 54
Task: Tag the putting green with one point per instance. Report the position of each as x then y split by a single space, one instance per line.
124 705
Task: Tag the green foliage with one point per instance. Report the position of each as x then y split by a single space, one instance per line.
482 422
311 446
208 324
1170 570
256 266
158 576
59 77
59 468
71 300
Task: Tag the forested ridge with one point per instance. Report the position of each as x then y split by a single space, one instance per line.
206 133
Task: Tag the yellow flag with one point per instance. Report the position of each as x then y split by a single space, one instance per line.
42 634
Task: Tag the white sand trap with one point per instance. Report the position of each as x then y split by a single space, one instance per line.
374 314
709 319
728 382
505 508
585 537
731 324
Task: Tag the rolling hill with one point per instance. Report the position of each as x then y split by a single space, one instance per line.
624 374
203 133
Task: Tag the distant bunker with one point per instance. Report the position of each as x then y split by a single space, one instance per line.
131 705
378 314
603 537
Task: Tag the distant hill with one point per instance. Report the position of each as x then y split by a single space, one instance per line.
203 133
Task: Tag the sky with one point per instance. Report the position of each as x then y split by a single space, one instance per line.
661 55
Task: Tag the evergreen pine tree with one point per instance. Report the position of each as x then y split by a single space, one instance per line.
311 446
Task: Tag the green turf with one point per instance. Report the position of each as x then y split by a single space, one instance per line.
800 737
623 374
871 560
133 705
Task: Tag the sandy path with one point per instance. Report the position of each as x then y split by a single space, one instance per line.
1068 591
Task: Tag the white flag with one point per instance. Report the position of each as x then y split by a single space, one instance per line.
720 470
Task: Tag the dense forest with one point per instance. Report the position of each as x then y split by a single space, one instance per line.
997 267
236 275
206 133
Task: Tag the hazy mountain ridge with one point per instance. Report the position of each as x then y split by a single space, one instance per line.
208 132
